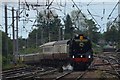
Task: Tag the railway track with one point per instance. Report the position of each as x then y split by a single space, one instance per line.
111 64
107 66
15 70
73 75
24 73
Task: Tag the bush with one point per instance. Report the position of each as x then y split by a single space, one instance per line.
96 48
29 50
6 60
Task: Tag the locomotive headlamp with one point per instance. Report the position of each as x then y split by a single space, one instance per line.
81 37
73 56
89 56
81 56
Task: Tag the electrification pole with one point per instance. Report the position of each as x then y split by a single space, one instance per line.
6 31
63 32
59 33
48 21
17 33
42 35
36 39
13 31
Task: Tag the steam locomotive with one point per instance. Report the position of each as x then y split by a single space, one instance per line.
77 52
80 52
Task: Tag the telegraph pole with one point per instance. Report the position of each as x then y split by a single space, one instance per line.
17 33
59 33
42 32
36 39
13 31
19 6
6 31
48 20
63 33
37 32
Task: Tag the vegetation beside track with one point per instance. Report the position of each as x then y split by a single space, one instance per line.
96 48
30 50
12 66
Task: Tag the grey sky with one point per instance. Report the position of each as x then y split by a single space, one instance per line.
96 7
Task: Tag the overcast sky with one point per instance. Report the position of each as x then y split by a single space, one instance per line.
62 0
96 7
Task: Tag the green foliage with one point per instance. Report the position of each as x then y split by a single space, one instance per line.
30 50
11 66
50 28
46 28
92 30
68 27
6 59
0 48
0 60
4 45
118 45
22 43
96 48
6 56
111 35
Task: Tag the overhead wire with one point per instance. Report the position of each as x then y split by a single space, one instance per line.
114 20
50 4
78 9
90 2
88 12
113 10
93 18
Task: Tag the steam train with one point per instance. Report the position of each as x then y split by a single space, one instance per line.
77 52
80 52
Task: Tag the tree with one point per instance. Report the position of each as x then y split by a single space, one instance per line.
10 45
32 38
48 25
111 35
6 55
92 30
84 25
68 27
119 35
78 20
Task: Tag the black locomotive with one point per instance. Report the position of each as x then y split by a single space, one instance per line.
80 52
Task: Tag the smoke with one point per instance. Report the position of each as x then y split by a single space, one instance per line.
67 68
